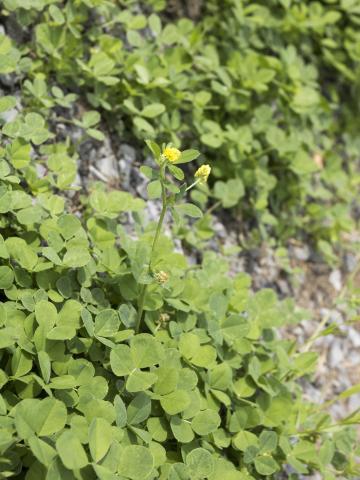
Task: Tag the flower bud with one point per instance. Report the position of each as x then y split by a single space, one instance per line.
161 277
203 173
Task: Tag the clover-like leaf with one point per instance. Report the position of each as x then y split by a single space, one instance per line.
71 451
136 462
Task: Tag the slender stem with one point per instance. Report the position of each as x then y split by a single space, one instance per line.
162 216
140 308
213 207
192 185
153 246
309 343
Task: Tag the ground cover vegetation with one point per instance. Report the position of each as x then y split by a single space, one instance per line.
119 358
268 91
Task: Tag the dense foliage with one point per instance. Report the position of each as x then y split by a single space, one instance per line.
268 91
118 358
201 387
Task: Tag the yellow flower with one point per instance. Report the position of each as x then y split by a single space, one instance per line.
171 154
203 173
163 318
161 277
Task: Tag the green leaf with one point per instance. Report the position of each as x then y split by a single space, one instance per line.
43 417
155 149
56 14
303 164
175 402
90 119
179 471
139 381
136 462
50 254
63 382
244 440
220 377
51 417
268 441
143 125
187 156
181 429
154 189
69 225
24 417
205 422
234 327
155 23
200 463
212 140
42 450
62 332
7 103
6 277
71 451
76 257
176 172
107 323
189 209
29 216
19 153
139 409
167 380
153 110
121 360
100 438
229 192
120 410
205 356
45 365
97 134
146 351
305 100
266 465
46 314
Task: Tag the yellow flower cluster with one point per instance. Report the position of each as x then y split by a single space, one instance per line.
161 277
203 173
172 154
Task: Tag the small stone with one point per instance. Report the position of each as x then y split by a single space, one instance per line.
153 210
336 280
219 229
284 287
106 161
40 170
107 166
354 402
354 336
336 355
9 115
334 316
350 262
8 79
127 157
301 253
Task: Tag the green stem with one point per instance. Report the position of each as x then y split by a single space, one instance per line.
192 185
153 246
213 207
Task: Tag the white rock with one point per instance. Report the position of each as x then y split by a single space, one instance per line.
336 355
354 336
336 280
